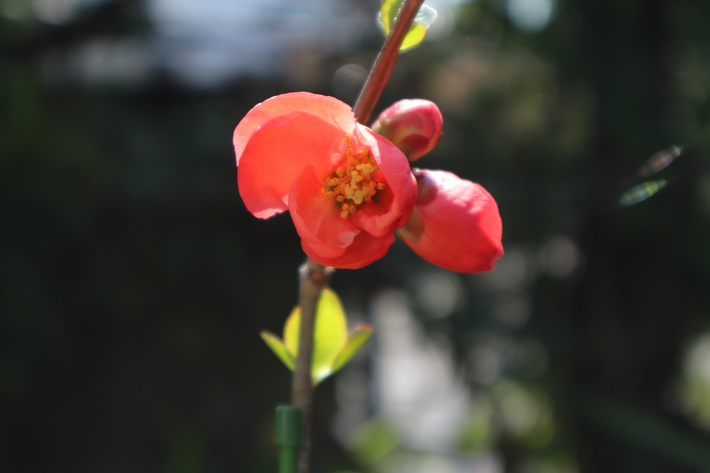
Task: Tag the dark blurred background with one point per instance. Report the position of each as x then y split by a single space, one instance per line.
133 282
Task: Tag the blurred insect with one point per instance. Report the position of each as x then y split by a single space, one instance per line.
653 165
641 192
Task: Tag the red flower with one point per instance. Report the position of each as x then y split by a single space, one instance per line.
455 223
346 187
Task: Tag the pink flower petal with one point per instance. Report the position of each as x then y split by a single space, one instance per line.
317 217
455 224
329 109
326 237
391 207
277 153
364 250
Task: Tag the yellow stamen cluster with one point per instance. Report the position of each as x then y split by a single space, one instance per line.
353 182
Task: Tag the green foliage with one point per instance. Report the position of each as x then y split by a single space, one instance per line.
279 348
424 19
333 347
355 341
374 440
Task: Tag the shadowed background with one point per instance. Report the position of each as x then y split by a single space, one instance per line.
133 282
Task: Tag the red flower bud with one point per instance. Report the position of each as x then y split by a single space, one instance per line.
413 125
455 223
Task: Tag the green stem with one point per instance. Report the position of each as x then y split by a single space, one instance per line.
314 277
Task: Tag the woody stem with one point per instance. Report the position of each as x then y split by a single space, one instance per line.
385 62
313 276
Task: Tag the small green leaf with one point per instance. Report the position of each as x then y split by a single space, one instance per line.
329 337
356 340
424 19
415 36
292 328
388 13
278 347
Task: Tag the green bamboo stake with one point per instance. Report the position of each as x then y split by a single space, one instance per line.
287 436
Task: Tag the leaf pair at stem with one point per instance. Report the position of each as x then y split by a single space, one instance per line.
333 346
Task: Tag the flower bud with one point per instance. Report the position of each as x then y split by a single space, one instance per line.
455 223
413 125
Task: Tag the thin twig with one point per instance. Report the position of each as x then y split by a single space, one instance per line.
386 59
313 276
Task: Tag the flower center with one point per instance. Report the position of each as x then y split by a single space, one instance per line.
353 181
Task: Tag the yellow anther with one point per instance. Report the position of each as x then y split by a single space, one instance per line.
353 182
355 177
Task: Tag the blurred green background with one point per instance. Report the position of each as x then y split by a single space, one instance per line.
133 282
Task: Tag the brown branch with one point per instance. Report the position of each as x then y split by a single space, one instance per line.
385 62
313 276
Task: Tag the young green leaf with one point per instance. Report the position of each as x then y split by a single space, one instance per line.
356 340
278 347
329 336
332 346
424 19
292 328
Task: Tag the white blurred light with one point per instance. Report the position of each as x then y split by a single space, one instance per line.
530 15
206 43
560 256
416 382
485 361
446 11
512 310
513 271
694 389
432 463
55 12
348 80
439 293
698 359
